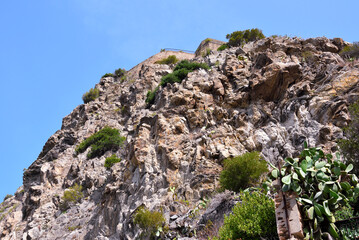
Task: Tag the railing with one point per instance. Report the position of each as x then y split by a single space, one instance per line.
176 50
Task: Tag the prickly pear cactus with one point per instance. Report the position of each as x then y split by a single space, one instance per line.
324 185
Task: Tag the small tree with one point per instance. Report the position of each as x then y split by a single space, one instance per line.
104 140
239 38
120 72
91 95
222 47
243 171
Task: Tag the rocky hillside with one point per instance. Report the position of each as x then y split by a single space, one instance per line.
270 96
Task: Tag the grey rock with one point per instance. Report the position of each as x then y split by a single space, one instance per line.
279 93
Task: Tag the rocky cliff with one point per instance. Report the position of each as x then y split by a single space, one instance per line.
270 95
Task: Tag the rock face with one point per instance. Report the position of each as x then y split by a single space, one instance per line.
269 96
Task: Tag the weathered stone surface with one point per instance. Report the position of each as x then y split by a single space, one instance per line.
270 96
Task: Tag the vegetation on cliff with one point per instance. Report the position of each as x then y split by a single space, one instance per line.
102 141
239 38
91 95
243 171
252 218
179 73
172 59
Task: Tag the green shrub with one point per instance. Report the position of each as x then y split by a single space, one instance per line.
172 59
120 72
176 76
149 221
110 161
243 171
324 186
222 47
239 38
107 75
349 147
151 96
179 73
104 140
252 218
350 51
7 196
185 64
91 95
72 195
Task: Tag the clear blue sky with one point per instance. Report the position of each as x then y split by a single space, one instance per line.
51 52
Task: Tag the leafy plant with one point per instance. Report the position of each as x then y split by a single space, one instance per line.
252 218
349 147
72 195
222 47
179 73
172 59
107 75
151 96
323 185
110 161
91 95
120 72
350 51
104 140
239 38
242 171
191 66
151 222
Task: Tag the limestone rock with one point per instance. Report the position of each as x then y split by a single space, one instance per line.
270 96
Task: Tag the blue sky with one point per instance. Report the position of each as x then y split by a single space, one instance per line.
51 52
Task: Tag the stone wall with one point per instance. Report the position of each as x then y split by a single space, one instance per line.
208 43
161 55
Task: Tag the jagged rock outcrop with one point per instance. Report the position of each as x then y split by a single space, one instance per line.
270 96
